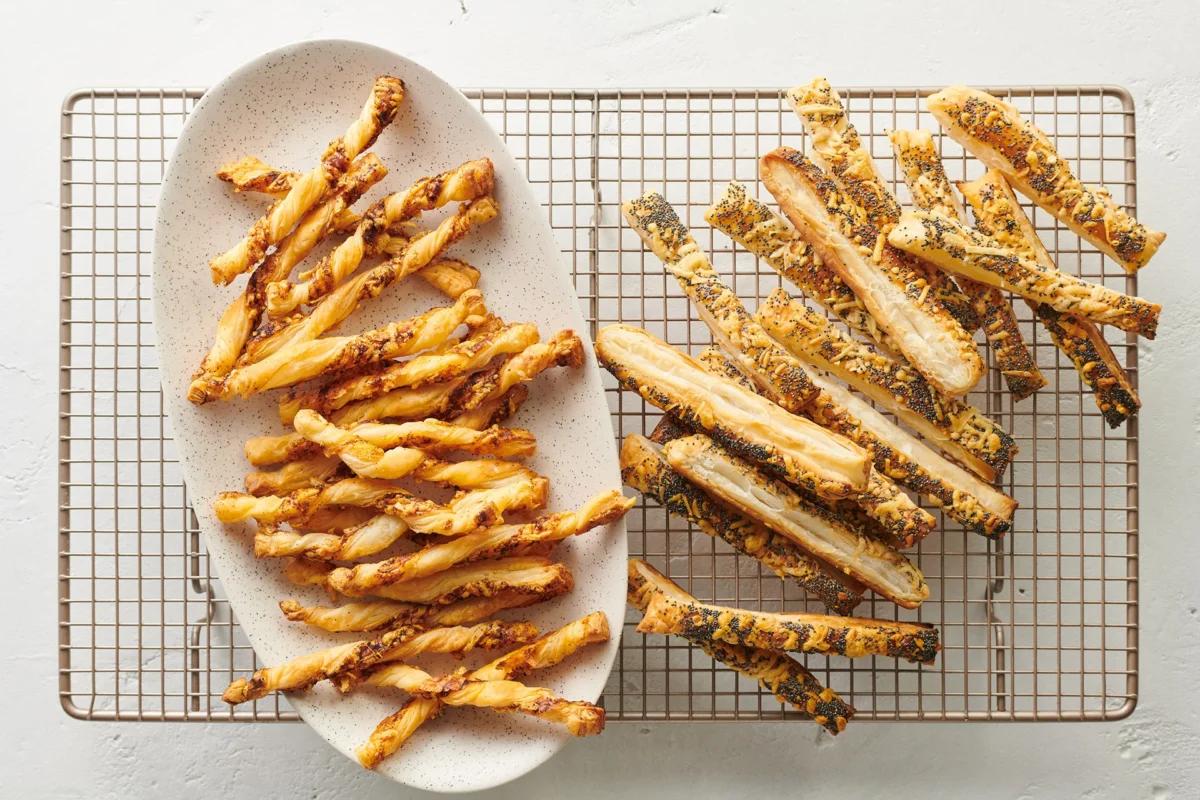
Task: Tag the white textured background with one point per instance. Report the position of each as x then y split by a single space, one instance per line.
51 48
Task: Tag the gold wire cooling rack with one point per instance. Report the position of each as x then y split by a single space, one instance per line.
1039 626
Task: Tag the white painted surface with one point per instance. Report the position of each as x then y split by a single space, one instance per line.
52 48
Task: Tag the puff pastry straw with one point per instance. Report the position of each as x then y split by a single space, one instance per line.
779 674
921 166
995 133
379 110
373 615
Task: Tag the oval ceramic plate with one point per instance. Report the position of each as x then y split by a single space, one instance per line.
284 107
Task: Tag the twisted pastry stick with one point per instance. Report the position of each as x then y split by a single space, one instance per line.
551 649
379 110
305 360
242 315
250 174
373 535
395 645
485 343
430 435
293 476
466 182
333 519
494 411
373 615
493 542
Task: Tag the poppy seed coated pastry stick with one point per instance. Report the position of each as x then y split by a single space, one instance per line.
784 677
466 182
886 281
474 353
816 530
379 110
893 516
644 468
373 615
838 149
780 375
495 542
396 645
791 447
950 422
921 166
305 360
999 215
242 315
995 133
955 247
770 237
547 651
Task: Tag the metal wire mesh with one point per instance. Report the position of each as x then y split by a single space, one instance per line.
1040 626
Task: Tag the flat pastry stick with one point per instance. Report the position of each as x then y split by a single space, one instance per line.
309 359
399 644
301 474
775 370
379 110
770 237
773 504
546 652
921 166
852 637
644 468
372 615
893 288
953 424
470 355
955 247
779 674
791 447
431 435
578 717
243 314
995 133
495 542
467 182
999 215
892 514
838 149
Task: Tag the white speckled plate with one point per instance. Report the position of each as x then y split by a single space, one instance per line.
284 107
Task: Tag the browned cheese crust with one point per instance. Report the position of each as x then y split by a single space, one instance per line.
997 135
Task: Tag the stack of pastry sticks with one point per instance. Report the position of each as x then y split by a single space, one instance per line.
394 485
774 440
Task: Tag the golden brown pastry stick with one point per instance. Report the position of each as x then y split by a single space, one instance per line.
888 282
495 410
367 537
837 148
773 504
953 424
301 474
309 359
995 133
250 174
779 674
892 514
395 645
551 649
955 247
921 166
775 370
334 519
373 615
852 637
999 215
467 182
431 435
773 239
494 542
644 468
242 315
578 717
792 447
379 110
458 397
474 353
